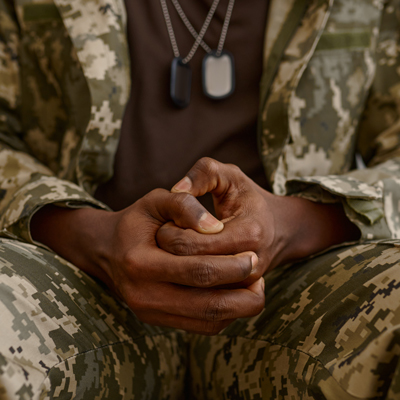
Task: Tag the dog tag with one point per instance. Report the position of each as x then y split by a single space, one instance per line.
181 82
218 75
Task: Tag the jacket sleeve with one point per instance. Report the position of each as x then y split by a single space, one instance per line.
371 195
26 185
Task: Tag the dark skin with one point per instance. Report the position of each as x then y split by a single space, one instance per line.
175 265
278 229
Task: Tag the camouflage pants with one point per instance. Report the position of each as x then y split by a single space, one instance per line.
63 336
330 330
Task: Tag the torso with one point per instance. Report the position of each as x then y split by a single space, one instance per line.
159 142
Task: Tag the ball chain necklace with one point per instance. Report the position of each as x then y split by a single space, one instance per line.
218 73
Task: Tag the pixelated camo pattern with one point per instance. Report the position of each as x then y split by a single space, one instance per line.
64 336
330 330
330 89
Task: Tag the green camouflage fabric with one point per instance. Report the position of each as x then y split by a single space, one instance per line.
329 90
330 330
332 91
64 336
59 127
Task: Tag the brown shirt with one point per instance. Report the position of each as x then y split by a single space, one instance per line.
159 142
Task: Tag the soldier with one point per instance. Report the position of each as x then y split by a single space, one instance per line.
113 285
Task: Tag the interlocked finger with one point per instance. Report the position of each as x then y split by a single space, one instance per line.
211 305
182 208
203 271
239 235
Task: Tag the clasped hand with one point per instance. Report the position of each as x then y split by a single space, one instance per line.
244 208
174 264
277 229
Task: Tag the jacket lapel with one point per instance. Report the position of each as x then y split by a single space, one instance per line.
98 31
278 33
293 43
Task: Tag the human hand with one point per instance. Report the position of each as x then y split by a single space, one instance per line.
278 229
162 289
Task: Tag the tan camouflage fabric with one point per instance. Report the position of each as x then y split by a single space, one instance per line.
64 336
330 330
330 91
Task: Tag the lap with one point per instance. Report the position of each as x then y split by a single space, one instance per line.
63 335
330 330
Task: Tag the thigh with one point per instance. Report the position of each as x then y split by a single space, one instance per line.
63 335
330 330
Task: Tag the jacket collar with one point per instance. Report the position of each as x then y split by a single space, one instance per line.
277 16
286 30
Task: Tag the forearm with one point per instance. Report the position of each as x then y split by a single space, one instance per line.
70 233
305 228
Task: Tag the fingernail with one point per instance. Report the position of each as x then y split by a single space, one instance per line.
254 262
183 185
210 224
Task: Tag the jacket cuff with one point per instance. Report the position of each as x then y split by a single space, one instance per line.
17 215
373 208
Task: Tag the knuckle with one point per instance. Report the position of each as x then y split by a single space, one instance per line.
209 166
154 194
203 275
183 198
181 203
158 192
235 169
216 309
180 247
256 232
132 263
129 261
177 241
152 199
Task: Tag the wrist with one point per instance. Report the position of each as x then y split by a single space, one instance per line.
77 235
304 227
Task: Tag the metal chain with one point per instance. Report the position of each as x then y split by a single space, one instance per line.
199 37
170 29
202 32
194 33
185 20
225 28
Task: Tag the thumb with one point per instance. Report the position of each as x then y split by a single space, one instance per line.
208 176
182 208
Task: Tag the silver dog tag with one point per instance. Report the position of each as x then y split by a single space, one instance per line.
218 75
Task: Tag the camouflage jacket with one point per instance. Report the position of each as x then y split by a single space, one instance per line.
330 90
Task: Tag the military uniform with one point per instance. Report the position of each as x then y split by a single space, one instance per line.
330 329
